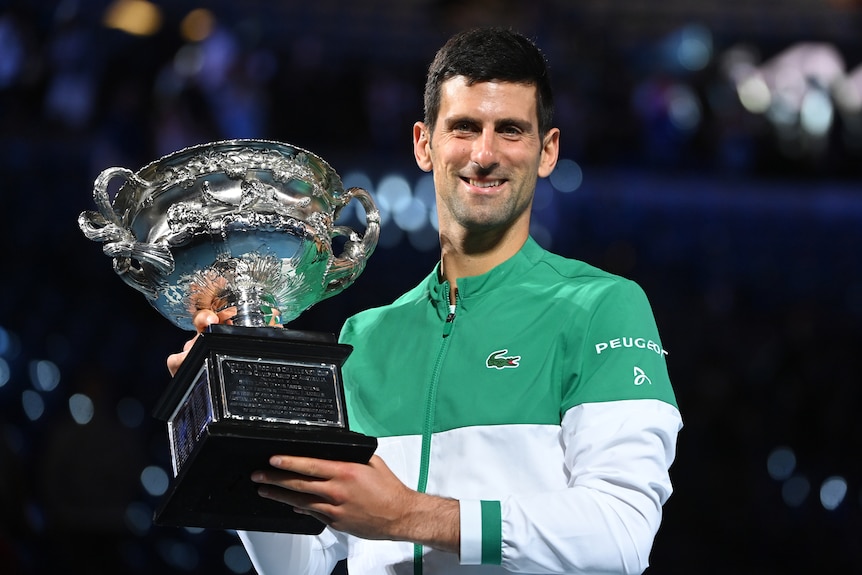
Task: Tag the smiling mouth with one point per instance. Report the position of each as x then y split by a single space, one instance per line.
484 183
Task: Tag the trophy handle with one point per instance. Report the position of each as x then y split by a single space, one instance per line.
347 267
129 255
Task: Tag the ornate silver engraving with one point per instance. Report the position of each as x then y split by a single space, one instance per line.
245 225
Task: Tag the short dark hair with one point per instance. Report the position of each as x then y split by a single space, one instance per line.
487 54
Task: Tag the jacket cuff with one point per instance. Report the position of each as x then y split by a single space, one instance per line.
481 533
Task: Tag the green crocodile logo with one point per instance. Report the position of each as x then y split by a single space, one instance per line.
498 360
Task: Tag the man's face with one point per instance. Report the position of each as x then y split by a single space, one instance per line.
486 154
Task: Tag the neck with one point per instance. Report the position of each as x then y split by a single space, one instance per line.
477 253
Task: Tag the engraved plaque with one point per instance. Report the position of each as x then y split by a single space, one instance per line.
189 421
284 391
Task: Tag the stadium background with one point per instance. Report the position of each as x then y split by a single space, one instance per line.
712 151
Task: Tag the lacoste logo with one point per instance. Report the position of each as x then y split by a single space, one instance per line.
641 377
498 360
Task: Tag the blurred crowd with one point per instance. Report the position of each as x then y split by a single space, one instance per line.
722 171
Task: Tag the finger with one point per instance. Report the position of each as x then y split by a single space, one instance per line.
282 495
204 318
226 315
289 480
308 467
175 360
188 344
201 320
301 503
294 489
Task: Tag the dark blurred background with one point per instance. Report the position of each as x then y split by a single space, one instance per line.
712 151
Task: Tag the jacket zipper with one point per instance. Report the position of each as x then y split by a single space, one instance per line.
450 319
430 401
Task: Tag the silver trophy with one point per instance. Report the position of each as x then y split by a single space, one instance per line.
244 228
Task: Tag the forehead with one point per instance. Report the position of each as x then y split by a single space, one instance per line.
488 100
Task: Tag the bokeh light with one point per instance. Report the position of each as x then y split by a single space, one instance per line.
197 25
136 17
712 152
155 480
81 408
567 176
5 372
44 375
832 492
138 518
781 463
33 404
795 490
236 559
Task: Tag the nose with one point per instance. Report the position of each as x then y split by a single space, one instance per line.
484 152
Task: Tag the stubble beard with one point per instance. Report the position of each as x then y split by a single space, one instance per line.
484 216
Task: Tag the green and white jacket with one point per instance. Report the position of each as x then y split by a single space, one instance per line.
540 399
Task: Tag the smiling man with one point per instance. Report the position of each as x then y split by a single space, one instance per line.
486 149
510 439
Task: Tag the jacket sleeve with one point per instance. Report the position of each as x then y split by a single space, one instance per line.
617 456
288 554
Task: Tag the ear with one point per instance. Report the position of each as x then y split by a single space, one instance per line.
422 146
550 152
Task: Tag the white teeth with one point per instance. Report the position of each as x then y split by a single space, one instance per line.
485 184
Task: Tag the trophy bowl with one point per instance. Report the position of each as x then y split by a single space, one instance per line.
244 228
237 223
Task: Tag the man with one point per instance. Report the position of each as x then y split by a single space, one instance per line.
521 400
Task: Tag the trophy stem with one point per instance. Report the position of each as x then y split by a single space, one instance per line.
253 309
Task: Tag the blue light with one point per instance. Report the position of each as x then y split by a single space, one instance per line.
10 346
33 404
5 372
412 217
236 559
795 491
180 555
393 195
424 191
155 480
832 492
567 176
781 463
82 409
138 518
5 342
694 50
44 375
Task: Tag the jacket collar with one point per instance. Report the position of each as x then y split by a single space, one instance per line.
476 286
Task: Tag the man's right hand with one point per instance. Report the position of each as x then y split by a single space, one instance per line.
202 319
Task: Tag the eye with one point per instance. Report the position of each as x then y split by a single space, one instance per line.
511 130
463 127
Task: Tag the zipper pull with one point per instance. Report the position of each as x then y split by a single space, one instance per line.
450 319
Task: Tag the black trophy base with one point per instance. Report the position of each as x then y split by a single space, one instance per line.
214 490
221 431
